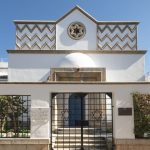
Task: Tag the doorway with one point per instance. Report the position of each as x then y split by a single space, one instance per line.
76 109
81 121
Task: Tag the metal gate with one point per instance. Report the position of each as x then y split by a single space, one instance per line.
81 121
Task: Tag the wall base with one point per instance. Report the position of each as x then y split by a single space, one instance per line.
24 144
132 144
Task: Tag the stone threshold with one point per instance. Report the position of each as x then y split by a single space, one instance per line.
23 141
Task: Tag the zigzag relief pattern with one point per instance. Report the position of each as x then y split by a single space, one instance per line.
36 37
117 37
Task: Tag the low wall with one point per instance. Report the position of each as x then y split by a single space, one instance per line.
132 144
40 92
43 144
24 144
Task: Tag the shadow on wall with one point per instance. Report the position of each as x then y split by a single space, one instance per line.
142 78
39 121
45 77
65 40
38 126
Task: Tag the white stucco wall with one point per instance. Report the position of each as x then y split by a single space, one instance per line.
36 67
64 42
123 126
3 68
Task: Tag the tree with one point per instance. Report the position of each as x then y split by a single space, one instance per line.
11 108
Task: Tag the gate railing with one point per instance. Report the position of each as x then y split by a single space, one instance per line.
81 120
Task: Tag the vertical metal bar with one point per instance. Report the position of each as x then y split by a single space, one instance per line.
23 113
112 106
106 121
63 105
51 120
1 120
82 117
29 121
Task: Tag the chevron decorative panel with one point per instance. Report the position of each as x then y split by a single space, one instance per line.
35 36
117 37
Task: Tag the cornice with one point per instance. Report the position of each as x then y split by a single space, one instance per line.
117 22
78 82
34 22
76 51
55 22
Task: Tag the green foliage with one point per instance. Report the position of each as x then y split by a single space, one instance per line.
141 114
25 130
11 108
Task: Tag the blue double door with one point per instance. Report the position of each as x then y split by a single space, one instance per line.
76 109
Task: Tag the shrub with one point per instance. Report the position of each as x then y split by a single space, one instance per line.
141 114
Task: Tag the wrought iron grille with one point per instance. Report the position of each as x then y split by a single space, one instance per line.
15 116
81 121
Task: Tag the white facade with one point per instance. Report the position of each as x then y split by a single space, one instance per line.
110 45
36 67
45 47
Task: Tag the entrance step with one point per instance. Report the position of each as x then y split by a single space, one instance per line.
78 130
78 145
70 139
80 148
95 141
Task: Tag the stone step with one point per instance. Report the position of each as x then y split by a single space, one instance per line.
78 128
70 139
77 136
95 141
77 131
78 145
94 148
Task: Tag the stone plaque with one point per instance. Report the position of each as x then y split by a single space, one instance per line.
125 111
40 114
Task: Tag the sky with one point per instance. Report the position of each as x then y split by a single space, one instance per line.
102 10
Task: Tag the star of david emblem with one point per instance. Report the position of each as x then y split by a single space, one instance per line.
64 114
96 114
76 30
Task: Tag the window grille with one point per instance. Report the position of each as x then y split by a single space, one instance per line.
15 116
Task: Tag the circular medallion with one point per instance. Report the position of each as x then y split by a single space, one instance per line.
76 30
